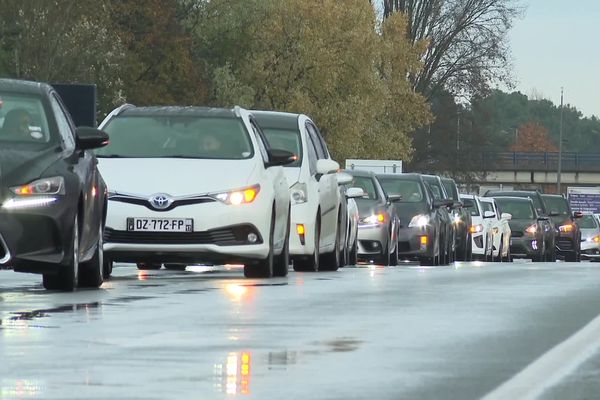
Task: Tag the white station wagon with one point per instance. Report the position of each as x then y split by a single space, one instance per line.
194 185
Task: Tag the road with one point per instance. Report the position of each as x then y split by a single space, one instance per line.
470 331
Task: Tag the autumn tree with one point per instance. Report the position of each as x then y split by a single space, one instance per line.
533 137
325 59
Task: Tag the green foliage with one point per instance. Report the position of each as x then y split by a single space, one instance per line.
323 59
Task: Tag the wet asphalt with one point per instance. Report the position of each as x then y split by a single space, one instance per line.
362 332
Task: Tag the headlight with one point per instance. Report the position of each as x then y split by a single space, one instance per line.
566 228
241 196
44 186
476 228
532 229
419 221
298 193
456 218
373 219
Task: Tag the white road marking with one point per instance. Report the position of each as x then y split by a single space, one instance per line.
552 367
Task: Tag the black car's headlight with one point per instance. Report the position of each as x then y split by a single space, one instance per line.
45 186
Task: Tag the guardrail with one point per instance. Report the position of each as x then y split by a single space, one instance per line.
524 161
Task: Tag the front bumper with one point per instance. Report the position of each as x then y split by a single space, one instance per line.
220 233
410 242
34 239
372 239
304 214
590 250
565 244
526 247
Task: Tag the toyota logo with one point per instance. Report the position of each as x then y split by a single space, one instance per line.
161 201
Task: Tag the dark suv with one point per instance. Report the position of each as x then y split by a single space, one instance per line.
567 233
541 210
435 185
461 218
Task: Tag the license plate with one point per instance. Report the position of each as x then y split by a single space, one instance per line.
160 224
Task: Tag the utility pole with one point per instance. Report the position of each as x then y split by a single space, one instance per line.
560 143
457 138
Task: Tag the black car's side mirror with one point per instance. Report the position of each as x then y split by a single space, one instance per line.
543 218
577 214
442 203
457 204
90 138
554 213
280 157
394 198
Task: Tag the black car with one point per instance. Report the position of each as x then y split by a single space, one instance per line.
377 224
529 237
448 238
52 197
421 217
567 233
462 221
541 209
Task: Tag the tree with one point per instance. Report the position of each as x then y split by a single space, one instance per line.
324 59
467 42
533 137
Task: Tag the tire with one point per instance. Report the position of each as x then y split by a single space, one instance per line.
443 252
107 268
91 274
394 257
149 266
500 251
384 257
67 277
263 268
427 261
282 261
353 258
331 261
311 264
175 267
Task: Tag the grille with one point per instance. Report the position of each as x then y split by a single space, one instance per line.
223 237
516 234
564 245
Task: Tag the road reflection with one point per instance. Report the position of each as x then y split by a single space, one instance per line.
21 388
233 377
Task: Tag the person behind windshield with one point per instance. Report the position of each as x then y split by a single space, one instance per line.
210 144
17 123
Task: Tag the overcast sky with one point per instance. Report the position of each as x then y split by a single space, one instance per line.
557 43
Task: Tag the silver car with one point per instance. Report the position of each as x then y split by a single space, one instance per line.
589 225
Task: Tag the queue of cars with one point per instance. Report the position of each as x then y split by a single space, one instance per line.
188 185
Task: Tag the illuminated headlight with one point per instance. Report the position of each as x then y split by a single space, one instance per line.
373 219
237 197
44 186
20 203
456 219
566 228
298 193
595 239
532 229
476 228
419 221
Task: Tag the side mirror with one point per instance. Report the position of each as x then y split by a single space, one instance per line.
326 166
577 214
543 218
457 204
280 157
442 203
553 213
506 216
343 178
354 192
394 198
90 138
489 214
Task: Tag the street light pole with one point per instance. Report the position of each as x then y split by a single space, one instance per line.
457 139
560 142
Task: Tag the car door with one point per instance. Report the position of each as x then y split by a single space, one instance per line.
276 177
328 189
83 164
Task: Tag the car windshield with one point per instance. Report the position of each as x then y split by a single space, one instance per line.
518 209
436 190
23 120
587 222
557 204
177 136
367 185
410 191
285 139
451 189
472 206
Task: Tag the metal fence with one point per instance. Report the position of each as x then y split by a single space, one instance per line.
524 161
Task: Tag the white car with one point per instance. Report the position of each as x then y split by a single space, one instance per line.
194 185
497 224
317 233
480 231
